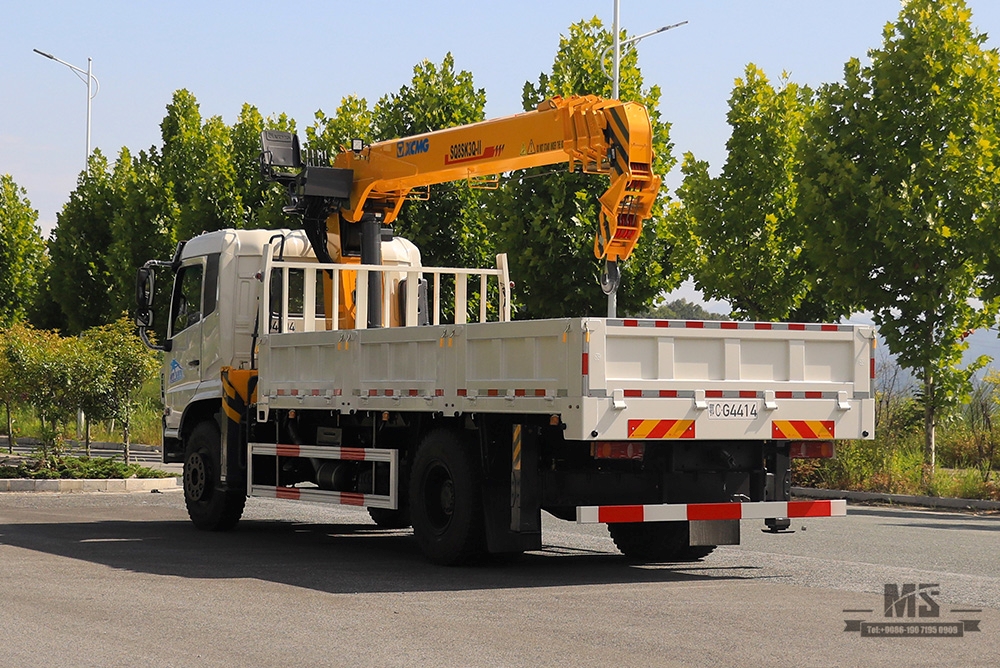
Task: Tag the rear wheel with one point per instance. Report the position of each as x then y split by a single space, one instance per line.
446 503
208 505
657 541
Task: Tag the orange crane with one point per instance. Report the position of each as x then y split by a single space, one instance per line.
589 133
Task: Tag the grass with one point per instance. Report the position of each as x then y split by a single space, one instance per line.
146 425
896 465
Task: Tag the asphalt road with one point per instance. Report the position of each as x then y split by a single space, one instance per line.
124 580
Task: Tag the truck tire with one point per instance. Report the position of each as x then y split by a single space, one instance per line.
209 506
386 518
656 541
446 503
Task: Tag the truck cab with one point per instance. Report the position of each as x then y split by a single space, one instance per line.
213 314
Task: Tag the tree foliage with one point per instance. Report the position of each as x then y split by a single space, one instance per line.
449 227
899 186
141 229
199 168
546 221
679 309
22 252
205 177
79 276
13 390
55 373
125 366
742 241
333 134
99 372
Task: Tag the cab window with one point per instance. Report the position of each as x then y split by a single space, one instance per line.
186 302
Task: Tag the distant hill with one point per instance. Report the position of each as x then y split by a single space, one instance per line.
981 342
680 309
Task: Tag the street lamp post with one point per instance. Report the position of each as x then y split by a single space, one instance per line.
91 91
610 282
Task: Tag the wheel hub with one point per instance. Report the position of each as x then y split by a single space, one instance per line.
440 497
196 477
448 497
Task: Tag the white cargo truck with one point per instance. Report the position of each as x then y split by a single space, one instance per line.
302 370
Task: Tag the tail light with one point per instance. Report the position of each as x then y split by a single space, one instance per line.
617 450
811 449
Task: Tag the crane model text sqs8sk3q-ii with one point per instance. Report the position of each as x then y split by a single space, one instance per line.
325 364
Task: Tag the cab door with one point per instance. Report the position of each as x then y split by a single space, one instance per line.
183 373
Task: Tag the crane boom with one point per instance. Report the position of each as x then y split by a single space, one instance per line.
597 135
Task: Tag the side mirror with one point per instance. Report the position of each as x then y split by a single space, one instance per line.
144 283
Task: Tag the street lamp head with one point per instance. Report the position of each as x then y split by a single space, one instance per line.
639 38
87 77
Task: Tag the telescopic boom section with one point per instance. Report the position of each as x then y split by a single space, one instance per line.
596 135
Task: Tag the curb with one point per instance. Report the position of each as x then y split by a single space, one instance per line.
901 499
90 485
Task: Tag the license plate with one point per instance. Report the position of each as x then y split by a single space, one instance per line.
732 410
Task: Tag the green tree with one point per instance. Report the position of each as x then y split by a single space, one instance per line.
141 227
126 364
55 373
262 201
211 169
198 167
12 388
352 120
22 252
546 220
898 192
448 228
79 277
45 311
744 243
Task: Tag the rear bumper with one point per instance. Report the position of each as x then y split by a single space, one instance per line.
682 512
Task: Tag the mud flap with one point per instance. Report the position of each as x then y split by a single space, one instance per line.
714 532
239 392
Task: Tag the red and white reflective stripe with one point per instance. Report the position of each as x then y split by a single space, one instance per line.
313 392
680 512
309 494
728 324
872 358
528 393
290 450
406 392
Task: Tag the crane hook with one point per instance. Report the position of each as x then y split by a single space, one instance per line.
611 278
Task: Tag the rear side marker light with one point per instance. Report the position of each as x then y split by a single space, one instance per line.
617 450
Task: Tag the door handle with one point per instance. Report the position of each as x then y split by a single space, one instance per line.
194 362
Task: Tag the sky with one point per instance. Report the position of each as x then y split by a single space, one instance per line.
303 56
308 55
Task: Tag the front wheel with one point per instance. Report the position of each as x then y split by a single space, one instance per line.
446 503
209 506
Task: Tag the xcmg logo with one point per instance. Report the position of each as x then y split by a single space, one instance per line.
412 147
